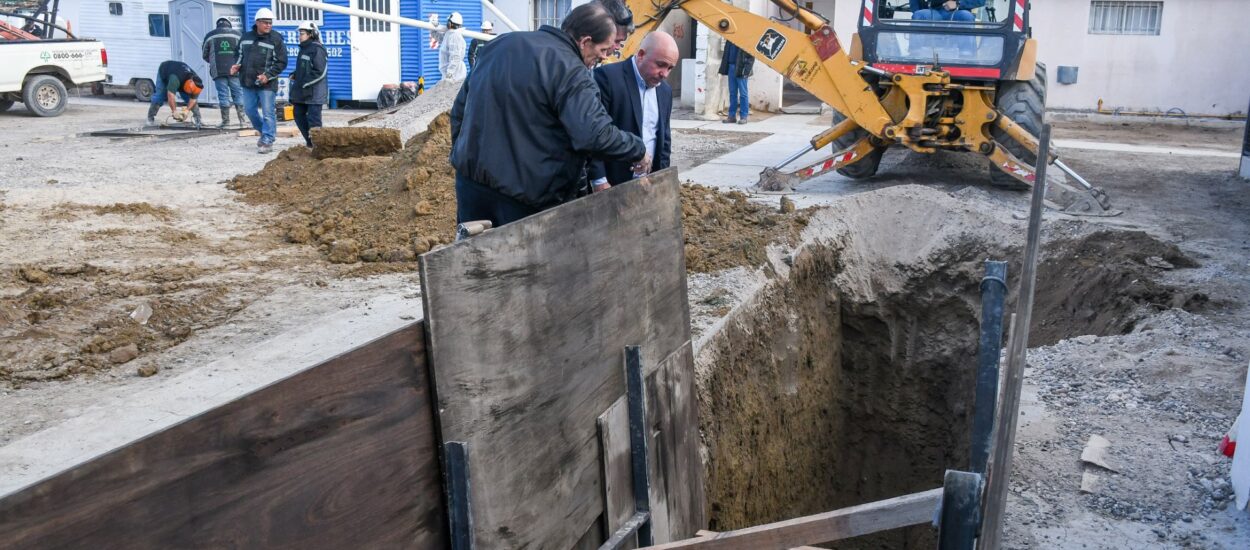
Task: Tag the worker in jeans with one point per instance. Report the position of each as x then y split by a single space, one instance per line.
176 79
262 57
308 83
221 51
948 10
738 66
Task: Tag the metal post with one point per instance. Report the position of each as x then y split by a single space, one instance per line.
1245 151
636 394
993 295
961 510
456 462
1009 408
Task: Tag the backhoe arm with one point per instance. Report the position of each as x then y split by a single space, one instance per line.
814 61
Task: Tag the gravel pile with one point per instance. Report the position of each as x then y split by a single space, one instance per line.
415 116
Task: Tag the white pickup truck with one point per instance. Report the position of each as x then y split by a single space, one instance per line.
37 72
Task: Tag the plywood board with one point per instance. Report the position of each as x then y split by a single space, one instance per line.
342 454
527 326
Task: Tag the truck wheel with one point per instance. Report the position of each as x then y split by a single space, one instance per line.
1024 101
866 167
44 95
144 89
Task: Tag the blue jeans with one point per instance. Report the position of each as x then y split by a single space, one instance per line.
943 15
229 91
739 101
265 120
158 95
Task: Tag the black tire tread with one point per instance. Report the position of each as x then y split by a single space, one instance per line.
1024 101
866 167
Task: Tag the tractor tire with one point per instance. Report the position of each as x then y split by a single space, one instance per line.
5 104
866 167
44 95
1024 101
144 89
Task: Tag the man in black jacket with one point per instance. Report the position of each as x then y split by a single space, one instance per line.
221 51
528 117
308 83
262 57
175 79
640 102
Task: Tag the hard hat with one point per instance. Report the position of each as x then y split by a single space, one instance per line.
488 26
193 86
308 26
222 21
456 18
264 13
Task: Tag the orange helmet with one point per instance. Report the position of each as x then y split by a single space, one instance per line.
193 86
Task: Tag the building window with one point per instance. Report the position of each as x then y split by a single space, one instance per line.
373 25
115 8
158 25
551 12
1125 17
293 15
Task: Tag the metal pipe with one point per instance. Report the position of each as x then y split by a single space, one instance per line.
1168 113
794 157
502 18
382 17
1009 407
993 296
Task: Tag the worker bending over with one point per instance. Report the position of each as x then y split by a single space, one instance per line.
528 117
176 77
308 83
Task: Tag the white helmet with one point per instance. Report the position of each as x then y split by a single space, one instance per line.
264 13
308 26
488 26
456 18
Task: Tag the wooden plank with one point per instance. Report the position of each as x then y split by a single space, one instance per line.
913 509
339 455
705 533
618 492
675 410
527 324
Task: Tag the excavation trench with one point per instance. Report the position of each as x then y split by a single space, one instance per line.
848 376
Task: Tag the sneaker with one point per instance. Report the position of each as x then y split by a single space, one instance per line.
264 148
729 120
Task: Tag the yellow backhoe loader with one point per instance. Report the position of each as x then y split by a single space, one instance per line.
927 79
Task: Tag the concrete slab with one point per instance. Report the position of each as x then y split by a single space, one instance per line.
1144 149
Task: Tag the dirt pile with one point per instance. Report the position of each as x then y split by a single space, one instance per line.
354 142
390 209
370 209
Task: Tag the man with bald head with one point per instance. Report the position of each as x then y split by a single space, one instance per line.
640 102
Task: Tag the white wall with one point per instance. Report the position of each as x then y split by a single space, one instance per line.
519 11
1200 62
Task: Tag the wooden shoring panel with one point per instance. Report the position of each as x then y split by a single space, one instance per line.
340 455
527 326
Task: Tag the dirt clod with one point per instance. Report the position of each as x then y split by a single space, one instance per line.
147 370
124 354
345 251
34 275
354 142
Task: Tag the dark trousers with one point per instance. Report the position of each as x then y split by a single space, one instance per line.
475 201
307 117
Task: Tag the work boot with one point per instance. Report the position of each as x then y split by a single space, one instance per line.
225 117
195 116
238 110
152 110
264 148
730 120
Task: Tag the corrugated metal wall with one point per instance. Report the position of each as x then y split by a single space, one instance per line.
335 36
471 10
416 57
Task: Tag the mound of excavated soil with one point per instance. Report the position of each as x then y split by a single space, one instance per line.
354 142
390 209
